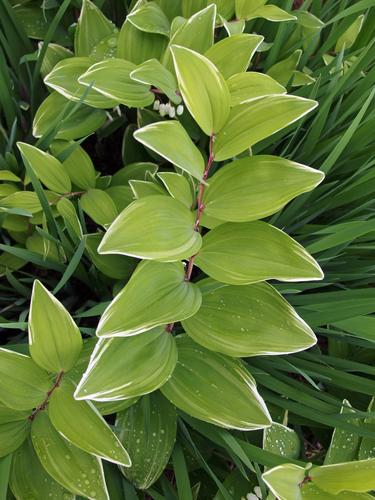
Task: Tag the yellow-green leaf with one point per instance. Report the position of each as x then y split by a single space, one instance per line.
23 385
162 137
76 470
257 186
46 167
243 45
245 321
54 338
203 89
149 358
111 78
148 429
251 122
247 252
156 294
155 227
70 417
246 87
215 388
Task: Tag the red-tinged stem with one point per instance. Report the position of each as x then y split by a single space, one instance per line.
44 405
200 210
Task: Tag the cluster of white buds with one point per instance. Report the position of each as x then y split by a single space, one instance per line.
168 109
257 495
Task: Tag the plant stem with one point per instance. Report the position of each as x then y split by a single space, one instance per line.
44 405
200 209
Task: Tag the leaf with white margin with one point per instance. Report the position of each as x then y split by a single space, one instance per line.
76 470
148 429
54 339
64 79
256 120
246 87
203 89
70 417
149 358
253 188
243 45
152 72
154 227
215 388
111 78
250 320
29 479
247 252
156 294
163 137
357 476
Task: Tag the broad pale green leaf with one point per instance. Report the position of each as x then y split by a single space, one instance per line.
122 196
156 294
92 26
76 470
344 444
152 72
52 56
253 9
106 48
54 338
347 39
272 13
140 189
150 18
83 121
155 227
99 206
138 170
196 34
68 212
178 187
8 175
247 252
190 7
353 476
110 407
12 435
10 415
225 8
27 200
112 79
215 388
162 137
203 89
284 481
29 479
243 45
44 247
283 71
310 491
70 417
251 122
77 164
148 430
281 440
251 320
114 266
246 87
257 186
46 167
23 385
138 46
367 447
149 358
64 79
